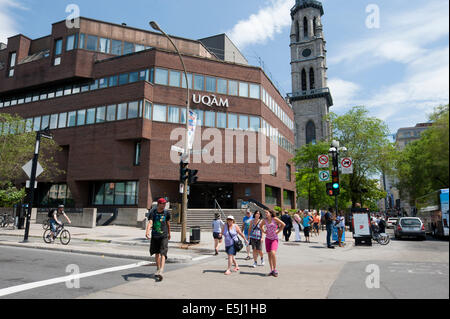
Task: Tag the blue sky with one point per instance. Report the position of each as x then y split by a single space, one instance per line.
399 71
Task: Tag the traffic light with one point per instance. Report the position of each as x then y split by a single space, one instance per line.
330 191
192 176
184 172
335 182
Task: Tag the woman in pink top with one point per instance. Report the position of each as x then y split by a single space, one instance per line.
273 226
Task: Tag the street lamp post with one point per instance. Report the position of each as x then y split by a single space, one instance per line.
156 27
39 134
334 151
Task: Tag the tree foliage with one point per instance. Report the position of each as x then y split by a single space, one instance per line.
423 165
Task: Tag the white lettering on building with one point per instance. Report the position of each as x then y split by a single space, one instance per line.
210 100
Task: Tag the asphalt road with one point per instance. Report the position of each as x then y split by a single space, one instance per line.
21 266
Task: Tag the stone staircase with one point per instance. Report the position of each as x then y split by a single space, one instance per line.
205 217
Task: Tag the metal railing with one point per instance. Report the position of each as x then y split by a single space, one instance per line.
308 92
218 208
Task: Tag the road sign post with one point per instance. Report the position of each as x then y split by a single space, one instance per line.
323 161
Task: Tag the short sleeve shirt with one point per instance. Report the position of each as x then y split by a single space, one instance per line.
159 229
246 222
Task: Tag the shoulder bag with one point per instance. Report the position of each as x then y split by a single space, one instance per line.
238 245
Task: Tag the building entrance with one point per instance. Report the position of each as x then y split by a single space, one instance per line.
202 195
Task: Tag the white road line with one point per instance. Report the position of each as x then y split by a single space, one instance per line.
20 288
200 258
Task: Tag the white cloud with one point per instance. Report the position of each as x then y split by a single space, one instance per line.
343 92
8 26
265 24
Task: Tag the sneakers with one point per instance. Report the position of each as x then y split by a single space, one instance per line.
262 262
248 258
255 264
275 273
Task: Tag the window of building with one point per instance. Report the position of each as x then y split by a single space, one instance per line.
71 120
134 77
84 88
82 41
113 80
221 120
103 83
159 113
210 84
58 47
232 121
232 87
90 116
133 110
105 45
254 91
37 124
116 47
210 119
161 76
273 165
183 80
199 117
111 193
62 120
288 172
312 82
137 154
183 116
123 79
243 89
91 43
111 113
255 123
54 121
310 132
287 198
94 85
76 89
243 122
199 82
305 27
304 88
128 47
174 114
139 47
174 78
67 90
148 110
71 42
222 86
81 117
45 122
100 114
271 196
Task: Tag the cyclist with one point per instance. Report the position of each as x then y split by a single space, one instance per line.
53 215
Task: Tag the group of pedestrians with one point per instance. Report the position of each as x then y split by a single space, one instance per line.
306 221
256 229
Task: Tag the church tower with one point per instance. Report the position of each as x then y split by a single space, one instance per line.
310 97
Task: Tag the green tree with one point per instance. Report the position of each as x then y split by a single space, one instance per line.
17 148
367 144
10 195
423 165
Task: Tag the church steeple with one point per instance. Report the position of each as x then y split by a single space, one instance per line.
310 97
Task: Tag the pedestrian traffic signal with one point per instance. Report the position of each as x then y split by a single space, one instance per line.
192 176
330 191
184 172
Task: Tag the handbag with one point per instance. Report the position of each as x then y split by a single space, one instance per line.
238 245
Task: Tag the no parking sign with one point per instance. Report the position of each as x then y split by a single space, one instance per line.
347 165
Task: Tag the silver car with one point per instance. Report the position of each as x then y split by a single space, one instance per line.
391 222
410 227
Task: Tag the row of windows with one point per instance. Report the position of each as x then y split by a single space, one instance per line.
99 44
111 193
277 137
221 86
95 115
276 109
102 83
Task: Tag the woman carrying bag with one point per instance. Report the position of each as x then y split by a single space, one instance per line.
232 243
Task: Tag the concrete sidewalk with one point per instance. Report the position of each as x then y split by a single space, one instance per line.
111 241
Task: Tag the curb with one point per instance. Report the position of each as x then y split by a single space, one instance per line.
170 260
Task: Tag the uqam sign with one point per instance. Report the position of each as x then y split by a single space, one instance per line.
210 100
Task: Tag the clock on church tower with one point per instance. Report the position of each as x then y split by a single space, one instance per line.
310 98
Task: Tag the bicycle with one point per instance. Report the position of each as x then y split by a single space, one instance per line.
381 238
64 235
5 220
46 224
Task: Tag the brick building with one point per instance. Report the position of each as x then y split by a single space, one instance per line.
112 96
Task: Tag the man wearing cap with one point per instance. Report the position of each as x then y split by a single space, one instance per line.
159 222
53 215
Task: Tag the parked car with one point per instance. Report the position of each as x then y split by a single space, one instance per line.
391 222
410 227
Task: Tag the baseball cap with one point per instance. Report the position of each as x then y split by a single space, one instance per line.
162 201
230 217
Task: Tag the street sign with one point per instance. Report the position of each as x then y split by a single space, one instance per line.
323 161
27 168
347 165
324 176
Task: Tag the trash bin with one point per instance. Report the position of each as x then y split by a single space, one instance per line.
195 235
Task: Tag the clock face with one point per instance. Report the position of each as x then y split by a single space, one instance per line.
306 53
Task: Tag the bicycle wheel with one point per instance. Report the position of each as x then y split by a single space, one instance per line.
384 239
47 239
46 224
64 237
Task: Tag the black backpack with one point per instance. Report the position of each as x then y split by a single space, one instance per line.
50 212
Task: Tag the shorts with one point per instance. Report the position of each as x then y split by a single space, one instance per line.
307 230
217 235
159 246
316 226
230 250
53 225
256 243
271 245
